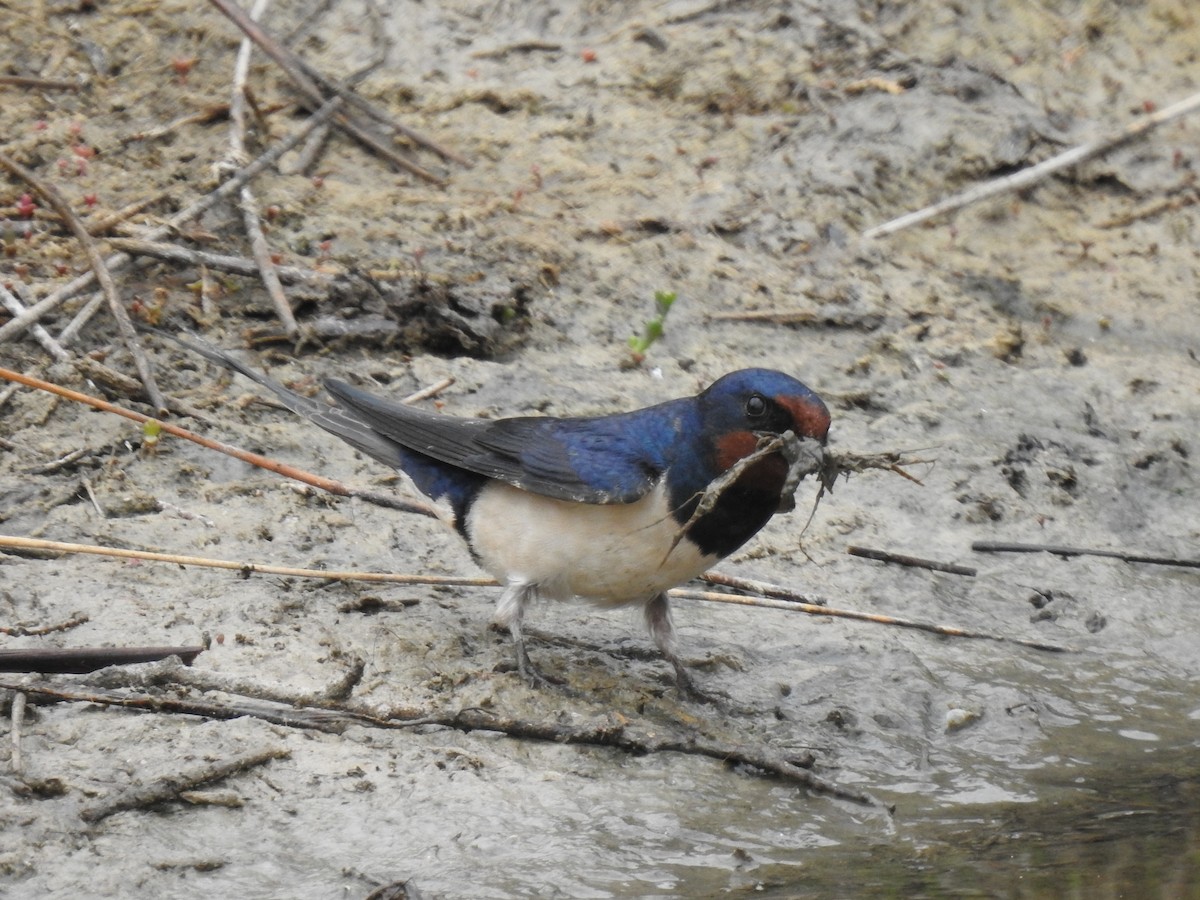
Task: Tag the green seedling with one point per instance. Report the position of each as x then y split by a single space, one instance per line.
653 329
151 429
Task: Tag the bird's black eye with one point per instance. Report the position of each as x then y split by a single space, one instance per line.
756 406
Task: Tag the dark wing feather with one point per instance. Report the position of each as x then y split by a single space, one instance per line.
606 459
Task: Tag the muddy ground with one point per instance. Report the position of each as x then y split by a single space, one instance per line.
1040 348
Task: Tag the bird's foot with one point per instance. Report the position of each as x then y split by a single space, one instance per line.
688 687
532 675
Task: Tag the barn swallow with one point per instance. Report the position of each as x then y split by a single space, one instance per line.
613 509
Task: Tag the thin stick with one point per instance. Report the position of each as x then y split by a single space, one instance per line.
13 304
1034 174
206 681
55 198
18 716
1003 547
101 224
31 630
37 544
335 719
763 588
77 324
914 561
250 218
427 392
271 465
221 262
813 610
79 660
168 787
380 115
318 719
44 84
288 62
246 569
120 260
211 114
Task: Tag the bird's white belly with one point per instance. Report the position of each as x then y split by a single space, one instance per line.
610 554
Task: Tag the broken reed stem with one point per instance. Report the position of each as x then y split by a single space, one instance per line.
54 197
1027 177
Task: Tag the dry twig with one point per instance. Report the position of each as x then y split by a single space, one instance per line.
18 717
813 610
55 198
118 261
168 787
290 63
915 562
221 262
13 304
31 630
250 218
78 660
839 463
1065 552
254 459
613 731
1030 176
42 84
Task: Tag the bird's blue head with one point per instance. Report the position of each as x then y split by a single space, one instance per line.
742 405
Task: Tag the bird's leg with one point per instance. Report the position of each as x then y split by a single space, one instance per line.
510 612
658 620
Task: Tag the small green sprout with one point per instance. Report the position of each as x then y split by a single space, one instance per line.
151 429
653 329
